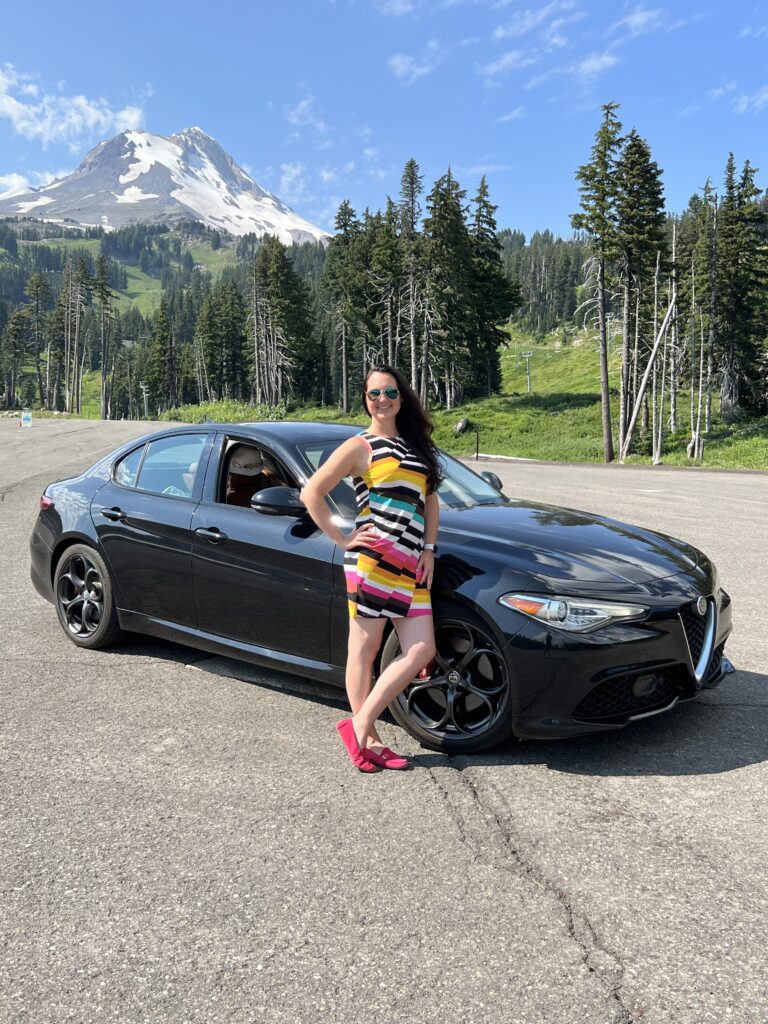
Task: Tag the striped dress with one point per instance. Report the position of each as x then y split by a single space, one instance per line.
381 580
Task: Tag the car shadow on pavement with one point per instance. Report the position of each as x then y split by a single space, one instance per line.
725 729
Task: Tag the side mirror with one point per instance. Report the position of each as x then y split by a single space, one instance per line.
493 480
279 501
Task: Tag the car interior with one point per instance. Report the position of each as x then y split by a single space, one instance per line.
248 469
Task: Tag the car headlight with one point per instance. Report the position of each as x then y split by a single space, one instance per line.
573 614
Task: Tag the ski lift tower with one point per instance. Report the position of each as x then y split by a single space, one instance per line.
527 357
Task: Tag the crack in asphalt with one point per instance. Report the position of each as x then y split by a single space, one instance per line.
509 857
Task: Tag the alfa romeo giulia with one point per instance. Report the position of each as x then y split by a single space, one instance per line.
549 622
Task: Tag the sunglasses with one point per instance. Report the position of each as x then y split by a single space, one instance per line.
375 393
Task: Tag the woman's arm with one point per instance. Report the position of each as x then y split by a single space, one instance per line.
425 568
349 459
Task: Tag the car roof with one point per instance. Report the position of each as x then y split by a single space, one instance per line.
290 431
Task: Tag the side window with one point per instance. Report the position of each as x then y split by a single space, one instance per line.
128 467
171 464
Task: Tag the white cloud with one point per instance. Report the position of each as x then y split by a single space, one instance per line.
35 179
752 103
640 21
479 169
304 115
333 175
40 115
595 65
510 61
411 69
371 153
11 182
513 115
721 90
293 182
396 8
525 21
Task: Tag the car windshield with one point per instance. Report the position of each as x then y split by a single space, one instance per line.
461 488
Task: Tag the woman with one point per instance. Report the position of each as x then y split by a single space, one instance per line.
390 555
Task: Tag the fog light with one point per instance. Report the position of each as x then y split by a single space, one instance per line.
644 686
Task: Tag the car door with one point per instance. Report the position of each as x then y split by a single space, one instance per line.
143 517
259 579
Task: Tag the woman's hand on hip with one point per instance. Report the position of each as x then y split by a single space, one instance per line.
363 537
425 569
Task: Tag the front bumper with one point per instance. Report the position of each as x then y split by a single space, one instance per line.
605 680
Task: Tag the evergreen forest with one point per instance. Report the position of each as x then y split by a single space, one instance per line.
676 303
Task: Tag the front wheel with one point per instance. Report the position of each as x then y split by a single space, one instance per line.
464 703
84 598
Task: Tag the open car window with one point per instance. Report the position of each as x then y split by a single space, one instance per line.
246 468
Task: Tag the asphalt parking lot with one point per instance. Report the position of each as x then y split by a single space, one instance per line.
183 839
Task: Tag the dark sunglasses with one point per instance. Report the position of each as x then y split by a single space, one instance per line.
391 393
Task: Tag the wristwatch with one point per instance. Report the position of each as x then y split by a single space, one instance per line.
430 547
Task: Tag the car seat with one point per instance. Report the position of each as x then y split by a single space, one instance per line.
250 470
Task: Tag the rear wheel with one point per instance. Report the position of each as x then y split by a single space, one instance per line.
84 598
464 704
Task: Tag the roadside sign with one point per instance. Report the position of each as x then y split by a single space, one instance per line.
26 418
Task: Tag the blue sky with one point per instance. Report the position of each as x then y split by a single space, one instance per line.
320 100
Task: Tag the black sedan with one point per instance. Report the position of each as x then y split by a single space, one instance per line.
549 622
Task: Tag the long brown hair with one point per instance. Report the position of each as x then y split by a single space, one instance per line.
413 423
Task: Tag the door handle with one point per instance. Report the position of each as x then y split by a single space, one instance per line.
213 534
115 514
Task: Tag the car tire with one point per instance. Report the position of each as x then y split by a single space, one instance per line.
84 598
466 704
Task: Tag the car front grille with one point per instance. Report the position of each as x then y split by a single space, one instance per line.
714 663
616 698
695 630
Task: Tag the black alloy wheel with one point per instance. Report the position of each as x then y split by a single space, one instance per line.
461 703
84 600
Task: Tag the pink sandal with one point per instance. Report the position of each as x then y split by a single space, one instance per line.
386 758
359 757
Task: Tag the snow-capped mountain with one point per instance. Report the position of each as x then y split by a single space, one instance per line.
138 176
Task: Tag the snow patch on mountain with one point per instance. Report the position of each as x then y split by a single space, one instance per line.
24 208
135 195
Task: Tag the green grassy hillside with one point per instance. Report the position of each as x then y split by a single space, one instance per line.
144 291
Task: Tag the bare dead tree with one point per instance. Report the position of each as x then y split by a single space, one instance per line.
644 382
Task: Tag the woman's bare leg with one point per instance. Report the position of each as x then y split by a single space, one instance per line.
365 637
417 641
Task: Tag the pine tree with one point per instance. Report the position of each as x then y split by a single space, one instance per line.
448 341
597 187
741 279
104 296
639 237
411 188
38 292
385 274
161 368
494 295
12 353
341 277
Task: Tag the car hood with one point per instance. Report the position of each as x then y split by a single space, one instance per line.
562 545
